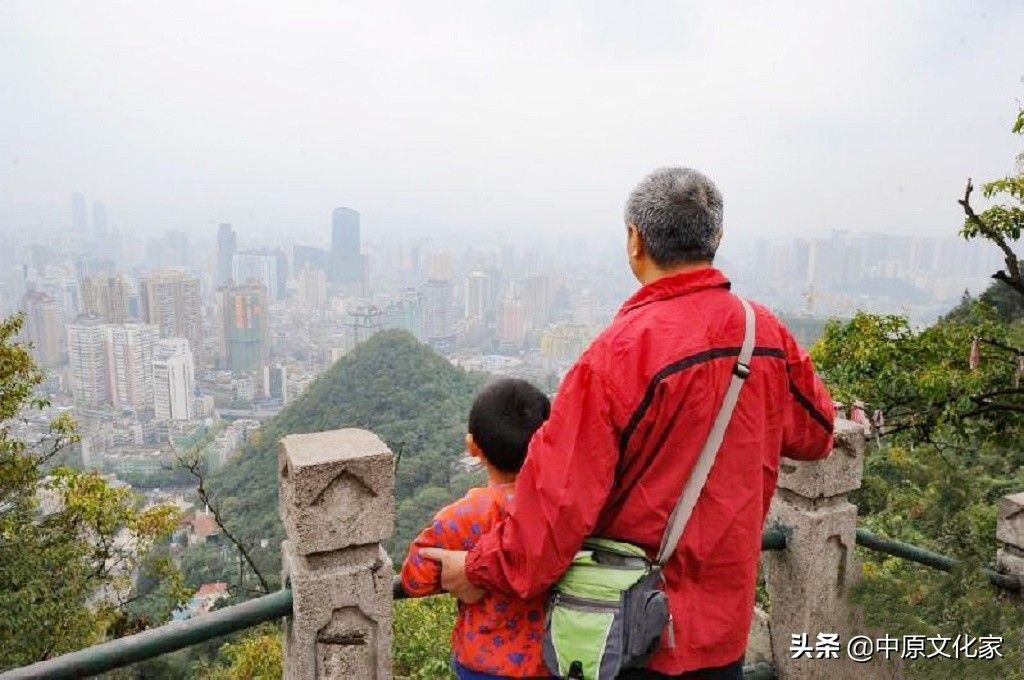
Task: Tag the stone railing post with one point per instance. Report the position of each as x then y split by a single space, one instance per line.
1010 555
337 505
808 582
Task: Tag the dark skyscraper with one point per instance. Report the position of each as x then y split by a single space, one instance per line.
226 248
99 218
245 327
346 261
79 214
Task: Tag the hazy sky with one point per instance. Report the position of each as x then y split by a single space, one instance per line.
505 117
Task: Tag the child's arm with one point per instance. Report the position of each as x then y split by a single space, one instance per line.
420 576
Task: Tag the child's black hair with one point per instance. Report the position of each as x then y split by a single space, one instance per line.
504 417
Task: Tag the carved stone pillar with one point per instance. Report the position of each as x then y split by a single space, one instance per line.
338 506
808 583
1010 555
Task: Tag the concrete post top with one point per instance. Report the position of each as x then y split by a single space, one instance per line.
333 446
838 474
1010 520
848 436
336 489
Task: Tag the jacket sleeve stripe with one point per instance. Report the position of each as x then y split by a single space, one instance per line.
809 407
682 365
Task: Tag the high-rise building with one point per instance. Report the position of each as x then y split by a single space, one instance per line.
439 266
308 256
437 310
536 293
246 327
111 364
275 382
130 356
99 219
88 363
346 257
170 299
362 323
406 312
565 341
257 267
43 328
512 324
105 298
478 295
173 380
312 288
79 214
282 270
227 246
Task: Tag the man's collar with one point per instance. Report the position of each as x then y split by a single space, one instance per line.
675 285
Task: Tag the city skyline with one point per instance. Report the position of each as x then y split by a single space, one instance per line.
202 315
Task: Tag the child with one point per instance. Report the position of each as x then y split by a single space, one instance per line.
499 636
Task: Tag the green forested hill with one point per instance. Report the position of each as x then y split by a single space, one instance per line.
396 387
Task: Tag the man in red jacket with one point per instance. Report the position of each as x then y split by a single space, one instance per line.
629 421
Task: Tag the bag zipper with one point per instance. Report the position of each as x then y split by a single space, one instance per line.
619 567
585 603
600 547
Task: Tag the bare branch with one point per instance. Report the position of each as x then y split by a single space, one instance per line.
194 468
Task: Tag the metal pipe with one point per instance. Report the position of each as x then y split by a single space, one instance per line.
774 538
156 641
928 558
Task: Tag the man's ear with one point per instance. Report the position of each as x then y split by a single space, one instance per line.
635 243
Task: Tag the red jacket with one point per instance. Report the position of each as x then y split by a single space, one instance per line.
625 430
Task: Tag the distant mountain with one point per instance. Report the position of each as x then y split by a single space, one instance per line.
393 385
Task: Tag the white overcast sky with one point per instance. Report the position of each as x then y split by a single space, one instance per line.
504 118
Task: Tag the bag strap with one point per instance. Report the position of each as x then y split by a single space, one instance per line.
695 484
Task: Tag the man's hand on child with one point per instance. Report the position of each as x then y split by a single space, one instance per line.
453 573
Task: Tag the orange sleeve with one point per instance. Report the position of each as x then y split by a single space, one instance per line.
451 529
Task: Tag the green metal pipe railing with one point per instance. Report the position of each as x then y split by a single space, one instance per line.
167 638
774 538
928 558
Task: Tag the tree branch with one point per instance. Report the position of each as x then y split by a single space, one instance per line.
193 467
1013 279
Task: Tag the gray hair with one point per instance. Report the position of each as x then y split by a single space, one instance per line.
678 212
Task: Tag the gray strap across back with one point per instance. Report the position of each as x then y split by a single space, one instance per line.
695 484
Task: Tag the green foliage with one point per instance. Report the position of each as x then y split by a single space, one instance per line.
69 541
1007 304
952 447
422 629
396 387
922 380
257 655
